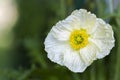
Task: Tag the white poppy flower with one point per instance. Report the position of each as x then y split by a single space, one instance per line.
79 40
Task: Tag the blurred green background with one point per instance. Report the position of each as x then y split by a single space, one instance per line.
22 55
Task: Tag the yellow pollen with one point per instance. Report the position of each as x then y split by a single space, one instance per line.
78 39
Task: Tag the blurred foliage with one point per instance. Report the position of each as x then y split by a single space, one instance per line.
27 60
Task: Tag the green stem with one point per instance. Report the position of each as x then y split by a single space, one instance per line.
93 72
117 66
76 76
62 8
101 70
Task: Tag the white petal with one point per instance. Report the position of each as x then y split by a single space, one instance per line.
54 49
103 31
104 47
86 19
88 53
103 38
74 22
73 61
61 31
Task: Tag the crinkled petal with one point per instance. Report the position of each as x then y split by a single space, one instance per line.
104 47
88 53
61 31
103 31
86 19
73 61
74 22
54 49
103 38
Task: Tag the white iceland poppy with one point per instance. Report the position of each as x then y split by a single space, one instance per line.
79 40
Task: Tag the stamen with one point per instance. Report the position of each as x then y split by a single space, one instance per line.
78 39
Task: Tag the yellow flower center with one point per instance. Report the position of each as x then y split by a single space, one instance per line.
78 39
